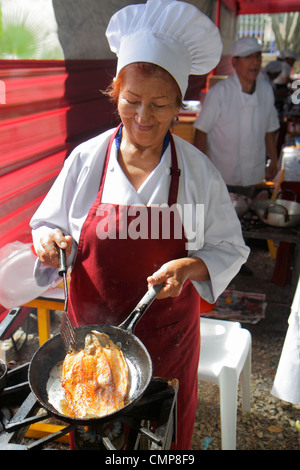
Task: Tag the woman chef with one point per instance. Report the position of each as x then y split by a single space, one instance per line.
107 198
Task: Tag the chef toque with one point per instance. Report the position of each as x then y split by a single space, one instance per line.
289 55
280 55
172 34
274 67
245 46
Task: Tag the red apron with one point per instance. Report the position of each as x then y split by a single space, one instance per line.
109 278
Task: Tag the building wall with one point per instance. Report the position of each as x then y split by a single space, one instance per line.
82 25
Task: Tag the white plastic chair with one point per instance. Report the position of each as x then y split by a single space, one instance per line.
225 355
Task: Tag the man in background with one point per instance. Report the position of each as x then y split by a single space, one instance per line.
237 123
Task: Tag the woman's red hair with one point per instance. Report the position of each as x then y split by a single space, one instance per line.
147 69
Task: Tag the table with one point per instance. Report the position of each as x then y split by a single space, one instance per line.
52 299
262 231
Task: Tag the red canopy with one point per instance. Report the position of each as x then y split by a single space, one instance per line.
248 7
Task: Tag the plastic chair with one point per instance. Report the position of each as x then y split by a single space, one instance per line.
225 355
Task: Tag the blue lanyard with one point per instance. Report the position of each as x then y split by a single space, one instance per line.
119 137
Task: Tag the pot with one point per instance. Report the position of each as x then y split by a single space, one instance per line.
241 203
138 359
278 212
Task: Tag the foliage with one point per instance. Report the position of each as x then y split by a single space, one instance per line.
21 37
286 28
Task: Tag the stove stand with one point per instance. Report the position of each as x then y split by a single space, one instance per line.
149 425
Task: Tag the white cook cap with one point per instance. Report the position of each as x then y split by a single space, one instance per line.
289 55
280 54
274 67
245 46
174 35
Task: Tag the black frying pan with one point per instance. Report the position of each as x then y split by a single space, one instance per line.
138 359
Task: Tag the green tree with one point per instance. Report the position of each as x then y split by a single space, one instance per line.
286 28
23 38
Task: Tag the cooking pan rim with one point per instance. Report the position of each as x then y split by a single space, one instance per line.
53 411
292 209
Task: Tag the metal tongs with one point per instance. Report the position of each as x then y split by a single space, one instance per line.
66 328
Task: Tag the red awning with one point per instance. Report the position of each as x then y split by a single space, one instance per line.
50 107
248 7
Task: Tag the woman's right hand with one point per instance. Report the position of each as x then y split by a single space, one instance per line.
48 249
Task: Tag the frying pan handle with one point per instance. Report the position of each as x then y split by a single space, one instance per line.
287 191
62 271
277 206
136 314
62 262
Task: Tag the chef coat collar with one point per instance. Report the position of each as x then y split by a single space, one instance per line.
237 80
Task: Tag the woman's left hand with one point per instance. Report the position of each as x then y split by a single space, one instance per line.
174 274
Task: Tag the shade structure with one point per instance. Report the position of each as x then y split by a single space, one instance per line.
248 7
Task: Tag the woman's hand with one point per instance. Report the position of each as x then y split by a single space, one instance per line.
48 249
174 274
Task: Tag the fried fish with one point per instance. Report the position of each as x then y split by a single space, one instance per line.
94 379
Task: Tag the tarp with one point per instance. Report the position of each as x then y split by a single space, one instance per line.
50 106
248 7
267 6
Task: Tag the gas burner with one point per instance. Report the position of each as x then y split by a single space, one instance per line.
131 431
91 437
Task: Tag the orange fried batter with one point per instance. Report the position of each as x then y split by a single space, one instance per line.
95 379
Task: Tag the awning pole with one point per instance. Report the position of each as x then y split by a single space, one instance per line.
218 13
217 23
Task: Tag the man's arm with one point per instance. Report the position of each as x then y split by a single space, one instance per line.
200 140
271 150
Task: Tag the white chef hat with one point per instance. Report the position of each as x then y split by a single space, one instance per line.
289 55
174 35
274 67
245 46
280 54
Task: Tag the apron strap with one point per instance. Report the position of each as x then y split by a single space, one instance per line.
175 174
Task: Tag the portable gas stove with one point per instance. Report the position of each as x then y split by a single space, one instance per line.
150 424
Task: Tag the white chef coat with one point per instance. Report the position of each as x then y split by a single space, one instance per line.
265 76
286 384
284 74
69 200
236 124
